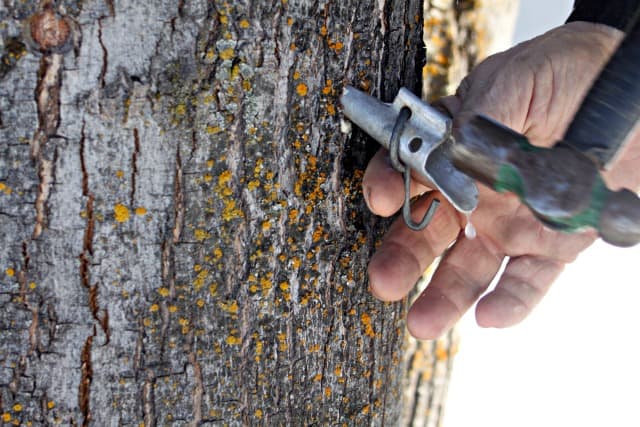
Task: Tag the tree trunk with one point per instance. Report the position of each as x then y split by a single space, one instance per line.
184 240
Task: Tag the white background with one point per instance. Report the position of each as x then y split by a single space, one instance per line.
575 360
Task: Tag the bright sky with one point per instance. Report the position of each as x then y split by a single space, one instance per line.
574 361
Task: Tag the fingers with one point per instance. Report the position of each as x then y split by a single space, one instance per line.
462 276
405 254
383 186
524 282
514 229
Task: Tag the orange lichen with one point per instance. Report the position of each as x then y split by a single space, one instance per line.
10 272
441 351
5 189
302 89
140 211
163 292
244 24
295 262
121 213
366 322
154 308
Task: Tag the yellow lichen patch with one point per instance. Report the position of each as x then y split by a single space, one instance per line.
217 252
227 53
32 285
17 407
302 89
210 163
318 377
366 409
295 262
253 184
154 308
229 307
327 391
338 371
180 109
366 323
224 178
5 189
233 340
198 282
172 308
201 235
212 130
146 322
317 234
328 87
140 211
120 173
230 211
323 30
441 351
337 46
282 340
164 292
293 215
6 417
51 404
213 289
266 225
296 75
266 284
121 213
244 24
258 413
10 272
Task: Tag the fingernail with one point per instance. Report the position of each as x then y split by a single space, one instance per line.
367 196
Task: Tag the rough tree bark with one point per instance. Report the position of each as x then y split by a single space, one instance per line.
183 239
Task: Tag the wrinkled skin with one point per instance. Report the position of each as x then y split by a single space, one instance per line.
534 88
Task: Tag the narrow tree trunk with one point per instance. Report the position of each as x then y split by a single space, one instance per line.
184 241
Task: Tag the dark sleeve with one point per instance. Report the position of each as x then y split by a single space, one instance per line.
614 13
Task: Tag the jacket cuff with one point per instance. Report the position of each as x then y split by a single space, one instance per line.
614 13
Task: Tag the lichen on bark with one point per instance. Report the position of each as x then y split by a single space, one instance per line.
184 240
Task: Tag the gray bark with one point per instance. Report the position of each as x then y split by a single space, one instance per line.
183 238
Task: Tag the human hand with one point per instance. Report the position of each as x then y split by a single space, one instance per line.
534 88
